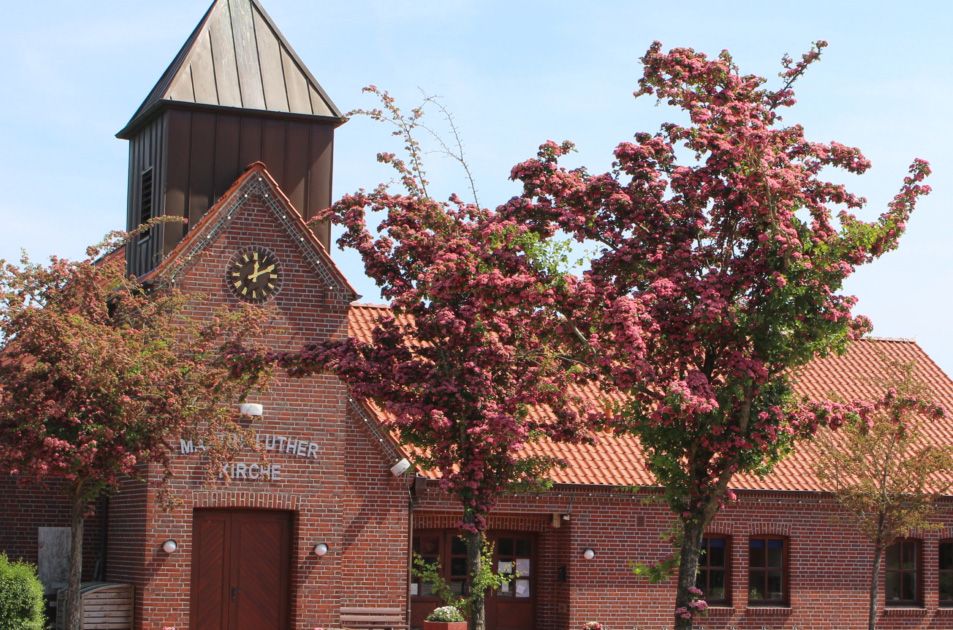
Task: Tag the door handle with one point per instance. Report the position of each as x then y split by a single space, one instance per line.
234 592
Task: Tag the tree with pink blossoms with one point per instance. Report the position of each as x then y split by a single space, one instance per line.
461 364
722 250
99 373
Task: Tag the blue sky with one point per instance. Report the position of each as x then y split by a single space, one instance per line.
514 74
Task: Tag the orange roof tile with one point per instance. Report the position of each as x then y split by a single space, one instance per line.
618 460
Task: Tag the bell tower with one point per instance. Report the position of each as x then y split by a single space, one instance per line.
236 93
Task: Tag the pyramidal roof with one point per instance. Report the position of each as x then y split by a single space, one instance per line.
237 57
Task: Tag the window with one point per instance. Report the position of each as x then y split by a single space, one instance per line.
427 545
514 555
903 573
713 576
946 573
767 571
145 201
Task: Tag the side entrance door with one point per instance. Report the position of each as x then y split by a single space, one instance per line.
240 570
514 606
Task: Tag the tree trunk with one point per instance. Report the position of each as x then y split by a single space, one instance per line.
477 599
874 584
73 608
687 570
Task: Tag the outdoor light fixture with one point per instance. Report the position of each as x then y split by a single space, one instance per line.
251 409
170 546
588 554
320 549
400 467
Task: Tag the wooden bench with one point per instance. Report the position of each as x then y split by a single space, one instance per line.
373 619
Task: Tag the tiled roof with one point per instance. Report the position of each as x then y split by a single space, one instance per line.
618 461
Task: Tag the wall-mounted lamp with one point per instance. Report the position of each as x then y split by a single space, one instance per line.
588 554
400 467
320 549
251 409
170 546
566 517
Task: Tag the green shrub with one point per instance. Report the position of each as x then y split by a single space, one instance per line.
21 596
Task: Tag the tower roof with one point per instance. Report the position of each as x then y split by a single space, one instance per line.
236 57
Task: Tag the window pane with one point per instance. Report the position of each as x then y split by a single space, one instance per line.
456 587
775 549
458 566
505 546
716 552
428 546
946 587
909 555
506 590
458 546
522 547
716 586
756 558
426 588
522 588
774 586
909 587
756 585
892 586
946 556
893 556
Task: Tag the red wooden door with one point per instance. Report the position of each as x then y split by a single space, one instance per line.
514 607
240 567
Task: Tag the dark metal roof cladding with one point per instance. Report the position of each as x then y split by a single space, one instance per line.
237 58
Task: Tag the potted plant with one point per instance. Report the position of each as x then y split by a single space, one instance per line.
445 618
592 625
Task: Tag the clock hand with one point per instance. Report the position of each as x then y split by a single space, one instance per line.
258 272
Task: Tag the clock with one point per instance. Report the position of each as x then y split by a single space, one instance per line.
254 274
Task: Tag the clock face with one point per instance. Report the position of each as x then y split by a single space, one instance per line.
254 274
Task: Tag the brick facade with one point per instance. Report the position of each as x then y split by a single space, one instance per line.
345 496
342 495
828 560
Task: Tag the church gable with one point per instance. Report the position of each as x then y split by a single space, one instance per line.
254 240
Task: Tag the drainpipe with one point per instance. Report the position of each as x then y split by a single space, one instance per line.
411 501
99 572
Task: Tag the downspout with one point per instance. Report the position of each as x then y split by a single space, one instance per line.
411 501
99 572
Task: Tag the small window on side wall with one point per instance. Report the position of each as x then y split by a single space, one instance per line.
902 577
945 571
767 571
714 570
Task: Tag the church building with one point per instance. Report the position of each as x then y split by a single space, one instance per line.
237 137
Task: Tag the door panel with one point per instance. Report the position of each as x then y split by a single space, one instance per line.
513 607
209 571
259 572
240 566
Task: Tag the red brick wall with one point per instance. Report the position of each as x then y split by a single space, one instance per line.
24 508
346 498
828 561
